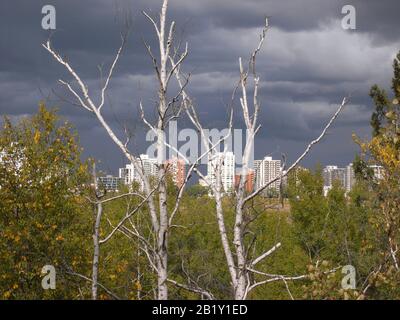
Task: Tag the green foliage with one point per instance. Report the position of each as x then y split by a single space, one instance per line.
42 213
196 248
384 194
338 228
362 227
197 191
308 210
324 283
386 110
361 169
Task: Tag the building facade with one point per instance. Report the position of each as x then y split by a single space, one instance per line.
350 177
227 161
346 176
176 167
249 180
267 170
129 174
332 173
378 172
110 183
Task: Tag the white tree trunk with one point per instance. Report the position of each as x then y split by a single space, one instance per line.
96 250
222 228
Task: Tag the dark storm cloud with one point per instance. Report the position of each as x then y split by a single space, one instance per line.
307 65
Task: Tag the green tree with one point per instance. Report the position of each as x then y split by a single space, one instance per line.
308 209
385 108
43 218
383 149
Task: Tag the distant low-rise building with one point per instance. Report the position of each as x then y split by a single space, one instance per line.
110 183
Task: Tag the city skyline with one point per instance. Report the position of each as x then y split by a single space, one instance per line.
260 173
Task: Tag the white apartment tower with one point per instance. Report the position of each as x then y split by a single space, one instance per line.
350 177
227 161
378 171
267 170
332 173
129 174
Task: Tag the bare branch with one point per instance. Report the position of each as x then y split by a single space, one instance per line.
110 73
140 205
306 151
82 104
153 23
193 289
265 254
73 273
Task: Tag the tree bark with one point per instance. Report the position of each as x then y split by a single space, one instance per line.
96 251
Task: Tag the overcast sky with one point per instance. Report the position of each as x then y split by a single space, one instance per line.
308 63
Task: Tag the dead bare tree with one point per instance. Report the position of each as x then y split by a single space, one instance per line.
167 110
240 266
159 217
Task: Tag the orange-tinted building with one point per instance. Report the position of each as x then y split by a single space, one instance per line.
249 181
176 167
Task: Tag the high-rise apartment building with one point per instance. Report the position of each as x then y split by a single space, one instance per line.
350 177
346 176
227 162
267 170
129 174
176 167
248 180
333 173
